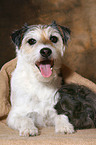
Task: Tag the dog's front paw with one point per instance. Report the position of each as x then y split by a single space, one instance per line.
28 129
62 125
62 128
33 131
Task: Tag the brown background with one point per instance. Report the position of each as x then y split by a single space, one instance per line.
78 15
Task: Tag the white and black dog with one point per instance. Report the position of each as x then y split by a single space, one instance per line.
37 78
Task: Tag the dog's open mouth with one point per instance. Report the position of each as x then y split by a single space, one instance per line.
45 67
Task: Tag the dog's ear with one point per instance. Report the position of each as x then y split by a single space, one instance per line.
64 31
17 36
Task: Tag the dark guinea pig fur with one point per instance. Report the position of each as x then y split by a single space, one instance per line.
79 104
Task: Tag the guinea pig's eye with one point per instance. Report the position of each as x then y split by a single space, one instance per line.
31 41
54 39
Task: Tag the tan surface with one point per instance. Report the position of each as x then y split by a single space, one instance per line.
47 137
5 75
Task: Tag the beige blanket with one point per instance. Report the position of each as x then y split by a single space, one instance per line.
47 137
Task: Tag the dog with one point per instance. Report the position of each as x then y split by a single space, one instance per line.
79 104
37 78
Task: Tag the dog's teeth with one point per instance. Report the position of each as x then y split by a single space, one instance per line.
51 68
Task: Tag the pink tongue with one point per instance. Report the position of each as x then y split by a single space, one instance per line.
45 70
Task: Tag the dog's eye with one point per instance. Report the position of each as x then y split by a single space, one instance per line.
54 39
31 41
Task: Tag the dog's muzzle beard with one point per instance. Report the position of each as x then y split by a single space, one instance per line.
45 65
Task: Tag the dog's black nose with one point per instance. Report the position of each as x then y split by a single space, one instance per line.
45 52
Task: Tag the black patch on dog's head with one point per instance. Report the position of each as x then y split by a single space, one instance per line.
17 36
64 31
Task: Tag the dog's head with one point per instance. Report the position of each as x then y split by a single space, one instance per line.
42 46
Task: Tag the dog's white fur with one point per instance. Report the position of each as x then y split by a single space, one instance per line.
32 95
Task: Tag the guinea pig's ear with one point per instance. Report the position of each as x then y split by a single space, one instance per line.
17 36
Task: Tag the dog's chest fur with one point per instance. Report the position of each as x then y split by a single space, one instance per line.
31 94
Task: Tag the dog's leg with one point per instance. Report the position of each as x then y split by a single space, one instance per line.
63 125
24 124
37 118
